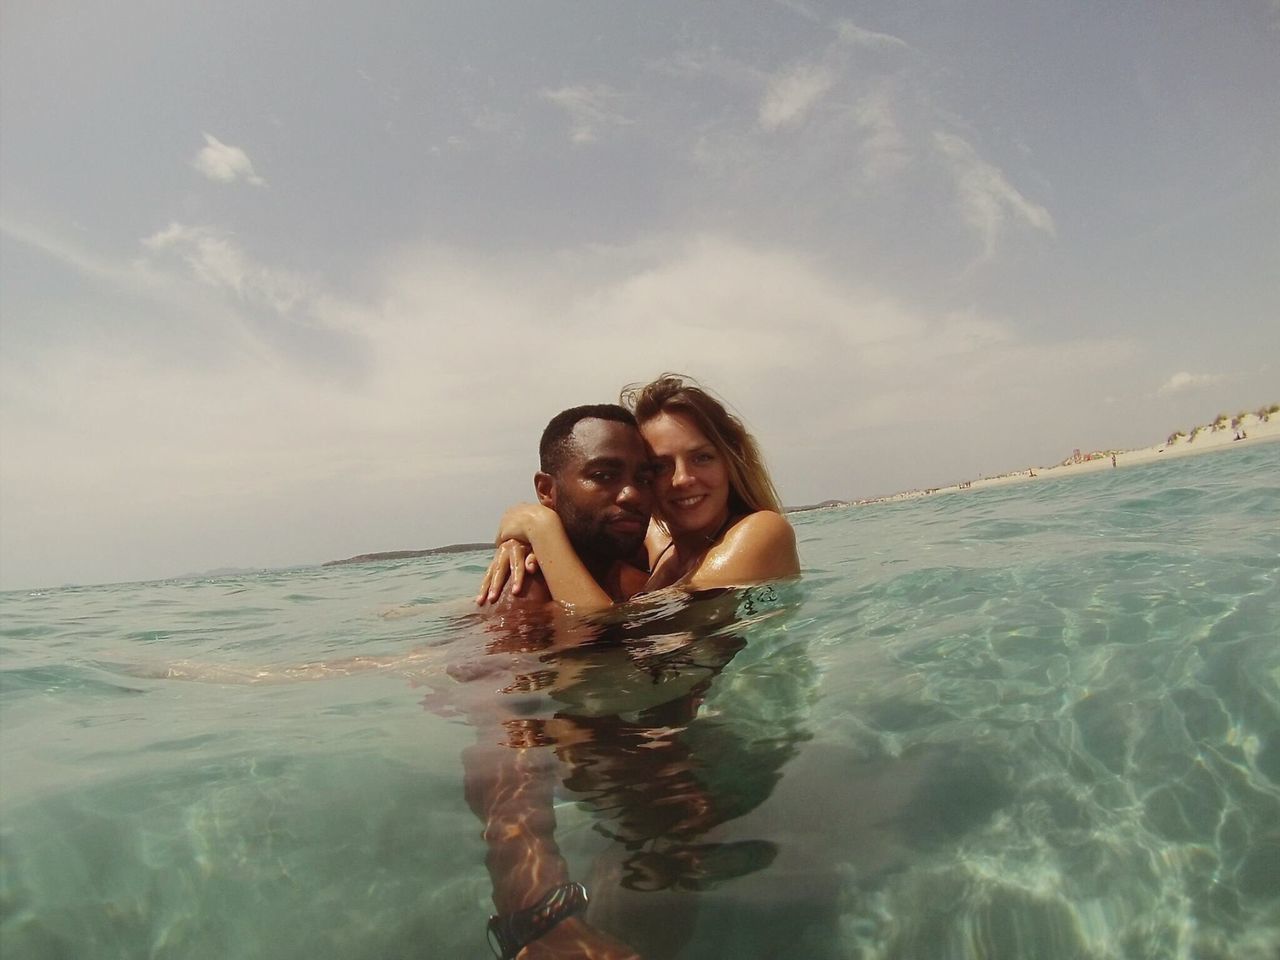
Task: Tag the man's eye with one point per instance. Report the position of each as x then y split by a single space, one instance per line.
603 476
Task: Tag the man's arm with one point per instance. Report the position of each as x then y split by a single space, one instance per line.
567 577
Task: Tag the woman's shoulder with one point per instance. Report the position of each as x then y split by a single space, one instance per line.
759 546
766 525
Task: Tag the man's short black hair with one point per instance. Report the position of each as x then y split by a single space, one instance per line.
553 448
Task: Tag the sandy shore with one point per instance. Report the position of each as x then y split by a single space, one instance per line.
1250 429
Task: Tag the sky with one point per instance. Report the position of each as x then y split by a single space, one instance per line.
284 282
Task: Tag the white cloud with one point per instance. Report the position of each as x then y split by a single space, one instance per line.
589 108
815 362
987 200
224 163
215 260
791 95
851 33
1183 380
884 151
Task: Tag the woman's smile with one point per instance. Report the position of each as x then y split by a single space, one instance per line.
691 478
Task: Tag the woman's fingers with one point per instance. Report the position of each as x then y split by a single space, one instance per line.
507 566
517 571
491 584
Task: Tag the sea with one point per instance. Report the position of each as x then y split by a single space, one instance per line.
1028 721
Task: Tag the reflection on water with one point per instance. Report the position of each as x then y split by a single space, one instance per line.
609 713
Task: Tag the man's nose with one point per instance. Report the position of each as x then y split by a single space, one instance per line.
631 493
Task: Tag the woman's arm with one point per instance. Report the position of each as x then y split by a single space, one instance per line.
569 580
758 547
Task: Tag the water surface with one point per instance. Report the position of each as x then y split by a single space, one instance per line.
1038 720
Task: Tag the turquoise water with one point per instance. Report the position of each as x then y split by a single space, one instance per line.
1032 721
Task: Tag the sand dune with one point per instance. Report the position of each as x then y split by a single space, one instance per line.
1223 433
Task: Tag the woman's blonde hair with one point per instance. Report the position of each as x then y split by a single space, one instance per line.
750 488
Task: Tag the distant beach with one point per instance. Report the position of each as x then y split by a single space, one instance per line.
1222 432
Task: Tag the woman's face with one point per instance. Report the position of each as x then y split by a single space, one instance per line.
691 479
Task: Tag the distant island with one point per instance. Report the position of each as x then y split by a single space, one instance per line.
409 554
469 547
824 505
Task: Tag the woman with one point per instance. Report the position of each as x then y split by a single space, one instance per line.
717 519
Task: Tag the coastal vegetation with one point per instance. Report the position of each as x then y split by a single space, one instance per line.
1237 423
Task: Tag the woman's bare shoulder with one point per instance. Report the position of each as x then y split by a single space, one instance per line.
760 546
765 523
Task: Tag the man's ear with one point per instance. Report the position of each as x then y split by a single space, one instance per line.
545 485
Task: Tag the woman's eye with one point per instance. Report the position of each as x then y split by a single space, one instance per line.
703 458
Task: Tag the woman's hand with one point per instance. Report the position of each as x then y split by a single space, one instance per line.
511 561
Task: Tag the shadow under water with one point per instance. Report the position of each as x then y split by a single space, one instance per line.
633 721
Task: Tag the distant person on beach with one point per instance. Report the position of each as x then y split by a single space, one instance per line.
717 516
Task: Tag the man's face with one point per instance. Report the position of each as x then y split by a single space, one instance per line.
604 491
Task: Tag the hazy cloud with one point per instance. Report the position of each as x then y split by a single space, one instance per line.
987 200
793 94
851 33
884 150
224 163
217 261
1183 380
589 108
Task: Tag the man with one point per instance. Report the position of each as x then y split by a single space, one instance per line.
595 473
638 772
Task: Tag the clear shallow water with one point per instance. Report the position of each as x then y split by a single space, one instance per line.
1040 720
